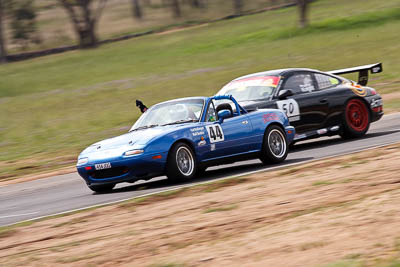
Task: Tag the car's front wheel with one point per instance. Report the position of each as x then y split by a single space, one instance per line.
181 163
275 147
101 188
356 119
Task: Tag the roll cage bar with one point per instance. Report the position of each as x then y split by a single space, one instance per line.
239 109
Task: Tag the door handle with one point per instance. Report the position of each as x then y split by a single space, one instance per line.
324 100
245 122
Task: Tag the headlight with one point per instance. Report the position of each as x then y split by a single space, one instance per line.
133 152
82 161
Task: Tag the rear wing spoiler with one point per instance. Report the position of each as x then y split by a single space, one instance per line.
362 70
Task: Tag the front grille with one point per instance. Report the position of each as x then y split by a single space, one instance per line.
107 173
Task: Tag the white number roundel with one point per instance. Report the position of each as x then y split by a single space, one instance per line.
290 107
215 133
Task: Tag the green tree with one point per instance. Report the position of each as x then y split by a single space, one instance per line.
84 18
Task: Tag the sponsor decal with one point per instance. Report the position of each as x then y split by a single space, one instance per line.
307 85
376 69
202 143
197 131
242 84
299 136
270 81
333 81
270 117
376 103
294 118
358 90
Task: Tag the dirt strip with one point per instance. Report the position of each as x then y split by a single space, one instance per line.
344 209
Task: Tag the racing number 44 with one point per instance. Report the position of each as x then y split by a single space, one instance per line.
215 133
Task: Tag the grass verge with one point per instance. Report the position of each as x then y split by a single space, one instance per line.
273 219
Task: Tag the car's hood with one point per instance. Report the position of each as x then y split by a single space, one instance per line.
140 137
133 139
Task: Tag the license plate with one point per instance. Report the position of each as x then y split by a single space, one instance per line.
102 166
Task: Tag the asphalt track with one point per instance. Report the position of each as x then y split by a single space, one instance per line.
53 195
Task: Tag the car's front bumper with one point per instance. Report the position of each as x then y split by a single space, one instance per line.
122 169
290 133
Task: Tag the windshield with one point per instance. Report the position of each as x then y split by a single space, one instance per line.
171 112
251 88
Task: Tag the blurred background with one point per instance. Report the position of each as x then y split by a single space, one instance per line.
51 107
48 23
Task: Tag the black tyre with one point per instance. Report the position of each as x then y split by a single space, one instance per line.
201 170
275 147
356 119
181 163
101 188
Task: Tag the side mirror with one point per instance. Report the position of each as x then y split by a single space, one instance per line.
283 94
223 114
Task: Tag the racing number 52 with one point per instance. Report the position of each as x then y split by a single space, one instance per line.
215 133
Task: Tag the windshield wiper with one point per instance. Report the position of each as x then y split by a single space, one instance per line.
144 127
180 121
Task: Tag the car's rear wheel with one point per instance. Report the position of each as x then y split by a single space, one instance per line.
101 188
356 119
275 147
181 163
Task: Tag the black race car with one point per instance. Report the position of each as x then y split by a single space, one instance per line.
317 103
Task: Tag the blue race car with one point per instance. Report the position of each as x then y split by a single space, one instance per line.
181 138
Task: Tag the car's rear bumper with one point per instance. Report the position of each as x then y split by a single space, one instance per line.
124 169
376 107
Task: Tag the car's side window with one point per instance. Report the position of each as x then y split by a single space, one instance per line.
326 81
300 83
211 114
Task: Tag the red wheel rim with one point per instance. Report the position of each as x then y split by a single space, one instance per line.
357 115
